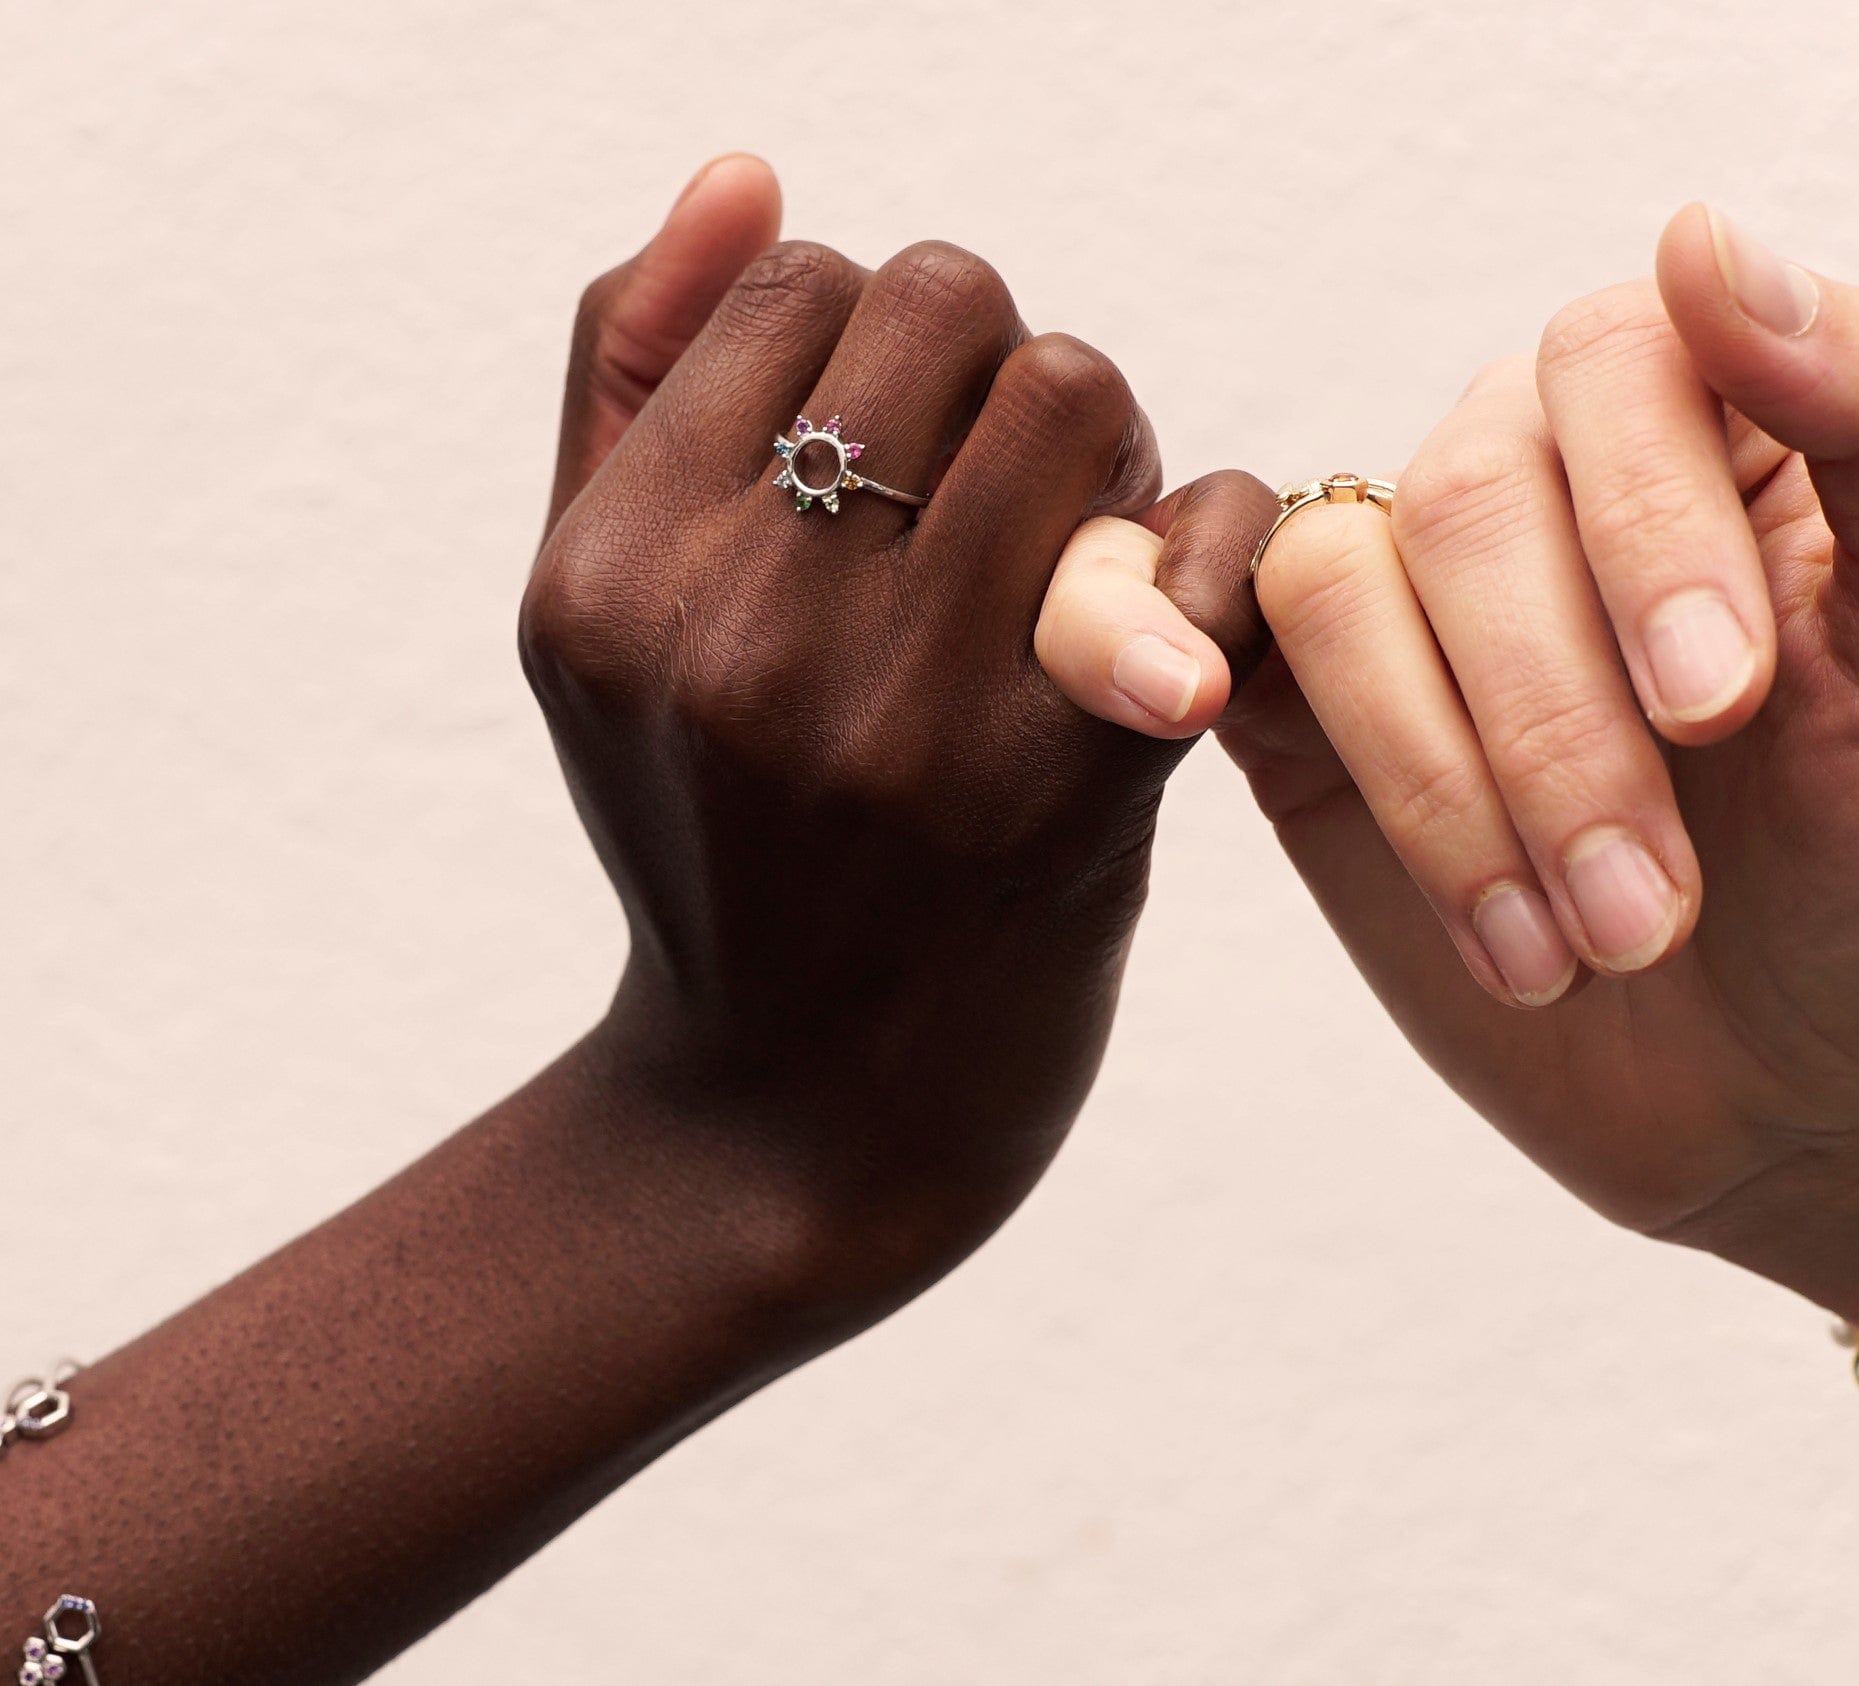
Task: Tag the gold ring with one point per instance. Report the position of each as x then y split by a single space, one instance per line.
1334 488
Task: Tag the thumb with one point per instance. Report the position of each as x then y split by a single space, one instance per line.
1150 623
1777 343
635 321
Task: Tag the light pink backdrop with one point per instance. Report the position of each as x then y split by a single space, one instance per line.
1321 1384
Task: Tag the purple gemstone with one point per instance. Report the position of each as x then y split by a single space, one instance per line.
35 1650
802 425
54 1668
832 425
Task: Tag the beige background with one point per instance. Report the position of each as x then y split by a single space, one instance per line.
1290 1372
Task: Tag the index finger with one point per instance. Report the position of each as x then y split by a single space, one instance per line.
635 321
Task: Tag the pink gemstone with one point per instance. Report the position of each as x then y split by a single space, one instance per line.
832 426
855 450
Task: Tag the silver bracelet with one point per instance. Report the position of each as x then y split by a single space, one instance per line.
38 1407
72 1627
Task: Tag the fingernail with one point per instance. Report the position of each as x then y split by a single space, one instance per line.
1700 656
1626 901
1157 677
1782 297
1520 933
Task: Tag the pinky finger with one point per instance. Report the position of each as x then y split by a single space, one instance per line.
1148 632
1117 647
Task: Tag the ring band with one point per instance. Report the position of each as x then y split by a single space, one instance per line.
1334 488
845 453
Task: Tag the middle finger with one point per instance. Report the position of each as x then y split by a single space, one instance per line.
1655 493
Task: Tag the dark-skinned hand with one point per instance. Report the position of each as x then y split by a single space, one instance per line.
880 876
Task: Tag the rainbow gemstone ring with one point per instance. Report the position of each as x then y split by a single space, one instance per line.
828 441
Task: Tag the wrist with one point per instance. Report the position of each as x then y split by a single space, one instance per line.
832 1190
681 1179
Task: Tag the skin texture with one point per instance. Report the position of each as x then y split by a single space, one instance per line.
1700 438
881 879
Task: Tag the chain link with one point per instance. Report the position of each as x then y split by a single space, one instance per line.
72 1627
38 1407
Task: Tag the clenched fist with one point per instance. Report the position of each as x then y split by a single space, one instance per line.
881 876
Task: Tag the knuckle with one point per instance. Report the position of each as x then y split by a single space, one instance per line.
554 621
1469 489
1207 551
793 278
944 282
1234 491
1638 506
1554 732
1071 383
586 621
598 299
1599 330
1436 797
1227 509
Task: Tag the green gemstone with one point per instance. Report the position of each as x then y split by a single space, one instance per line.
803 503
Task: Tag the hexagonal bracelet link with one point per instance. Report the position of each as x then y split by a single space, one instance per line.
38 1407
72 1627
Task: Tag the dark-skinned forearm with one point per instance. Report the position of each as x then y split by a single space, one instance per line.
299 1475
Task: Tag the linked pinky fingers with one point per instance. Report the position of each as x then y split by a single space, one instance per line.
1115 644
